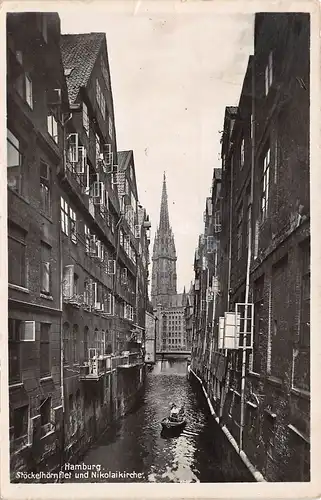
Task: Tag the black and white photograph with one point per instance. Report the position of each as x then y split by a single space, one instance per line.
157 217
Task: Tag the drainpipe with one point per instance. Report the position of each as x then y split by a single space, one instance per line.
222 398
230 243
249 251
63 123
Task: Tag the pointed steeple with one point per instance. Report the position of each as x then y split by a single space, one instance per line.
164 277
164 218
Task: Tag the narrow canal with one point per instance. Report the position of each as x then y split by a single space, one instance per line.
137 444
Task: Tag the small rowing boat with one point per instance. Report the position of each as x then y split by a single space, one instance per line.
168 423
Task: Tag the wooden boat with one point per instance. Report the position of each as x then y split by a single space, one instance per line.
167 423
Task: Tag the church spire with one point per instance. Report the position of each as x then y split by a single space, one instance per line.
164 218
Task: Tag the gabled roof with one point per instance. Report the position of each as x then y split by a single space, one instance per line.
79 54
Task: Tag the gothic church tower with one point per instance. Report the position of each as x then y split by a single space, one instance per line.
164 277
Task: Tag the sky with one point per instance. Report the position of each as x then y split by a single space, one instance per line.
173 72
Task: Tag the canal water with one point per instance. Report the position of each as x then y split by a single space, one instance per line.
137 444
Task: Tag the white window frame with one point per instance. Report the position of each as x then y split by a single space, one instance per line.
110 304
82 160
72 147
265 185
29 95
68 281
52 127
23 331
73 225
111 267
242 153
110 127
64 216
85 118
268 74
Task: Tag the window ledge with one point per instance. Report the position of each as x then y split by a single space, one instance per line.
47 377
301 393
48 434
47 297
23 446
274 381
23 198
252 405
298 433
254 374
15 384
47 216
18 288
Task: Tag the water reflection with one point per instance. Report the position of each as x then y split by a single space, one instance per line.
138 444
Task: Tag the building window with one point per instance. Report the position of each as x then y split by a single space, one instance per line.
74 344
45 273
305 296
23 85
45 361
239 232
88 238
52 126
14 163
248 216
45 185
110 127
64 216
19 422
85 118
45 415
16 256
86 343
269 73
66 343
265 185
104 71
73 226
242 154
100 100
258 297
29 97
97 146
14 329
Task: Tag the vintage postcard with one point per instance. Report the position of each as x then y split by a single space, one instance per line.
157 217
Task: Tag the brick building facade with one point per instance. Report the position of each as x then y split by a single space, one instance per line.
33 158
261 389
78 247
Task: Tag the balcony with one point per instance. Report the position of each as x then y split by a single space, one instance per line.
130 360
127 262
123 292
95 368
76 185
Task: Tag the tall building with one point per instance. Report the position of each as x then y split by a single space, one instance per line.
164 277
78 247
257 376
169 305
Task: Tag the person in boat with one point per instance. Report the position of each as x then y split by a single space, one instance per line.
176 413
